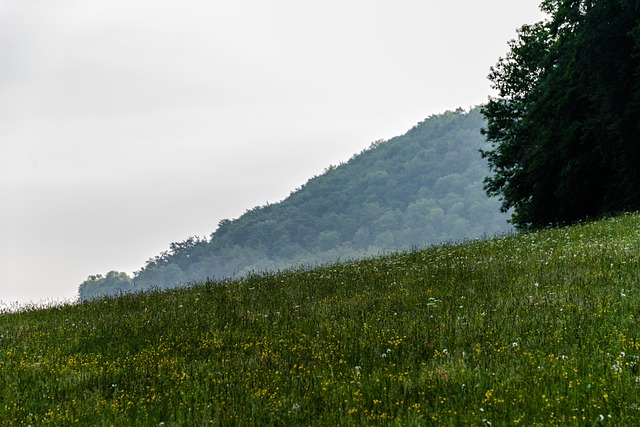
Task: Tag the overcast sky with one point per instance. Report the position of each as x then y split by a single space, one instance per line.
126 125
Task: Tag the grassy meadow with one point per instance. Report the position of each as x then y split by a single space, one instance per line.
537 329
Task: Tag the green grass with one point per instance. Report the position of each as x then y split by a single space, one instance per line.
537 329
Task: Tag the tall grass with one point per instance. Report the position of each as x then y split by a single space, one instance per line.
536 329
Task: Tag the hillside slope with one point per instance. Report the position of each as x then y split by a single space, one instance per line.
420 188
536 329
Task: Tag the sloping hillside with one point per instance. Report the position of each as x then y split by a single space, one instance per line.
420 188
537 329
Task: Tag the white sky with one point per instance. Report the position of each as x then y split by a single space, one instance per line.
126 125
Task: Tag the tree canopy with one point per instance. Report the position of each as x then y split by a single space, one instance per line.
565 125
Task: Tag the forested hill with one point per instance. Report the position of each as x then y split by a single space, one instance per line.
420 188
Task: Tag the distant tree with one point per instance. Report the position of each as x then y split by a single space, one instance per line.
328 240
565 126
386 239
181 255
362 238
113 283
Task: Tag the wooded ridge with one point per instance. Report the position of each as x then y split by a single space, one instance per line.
420 188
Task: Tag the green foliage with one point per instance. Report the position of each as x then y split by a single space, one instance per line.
114 283
536 329
420 188
564 127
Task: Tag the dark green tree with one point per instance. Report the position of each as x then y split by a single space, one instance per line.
564 127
